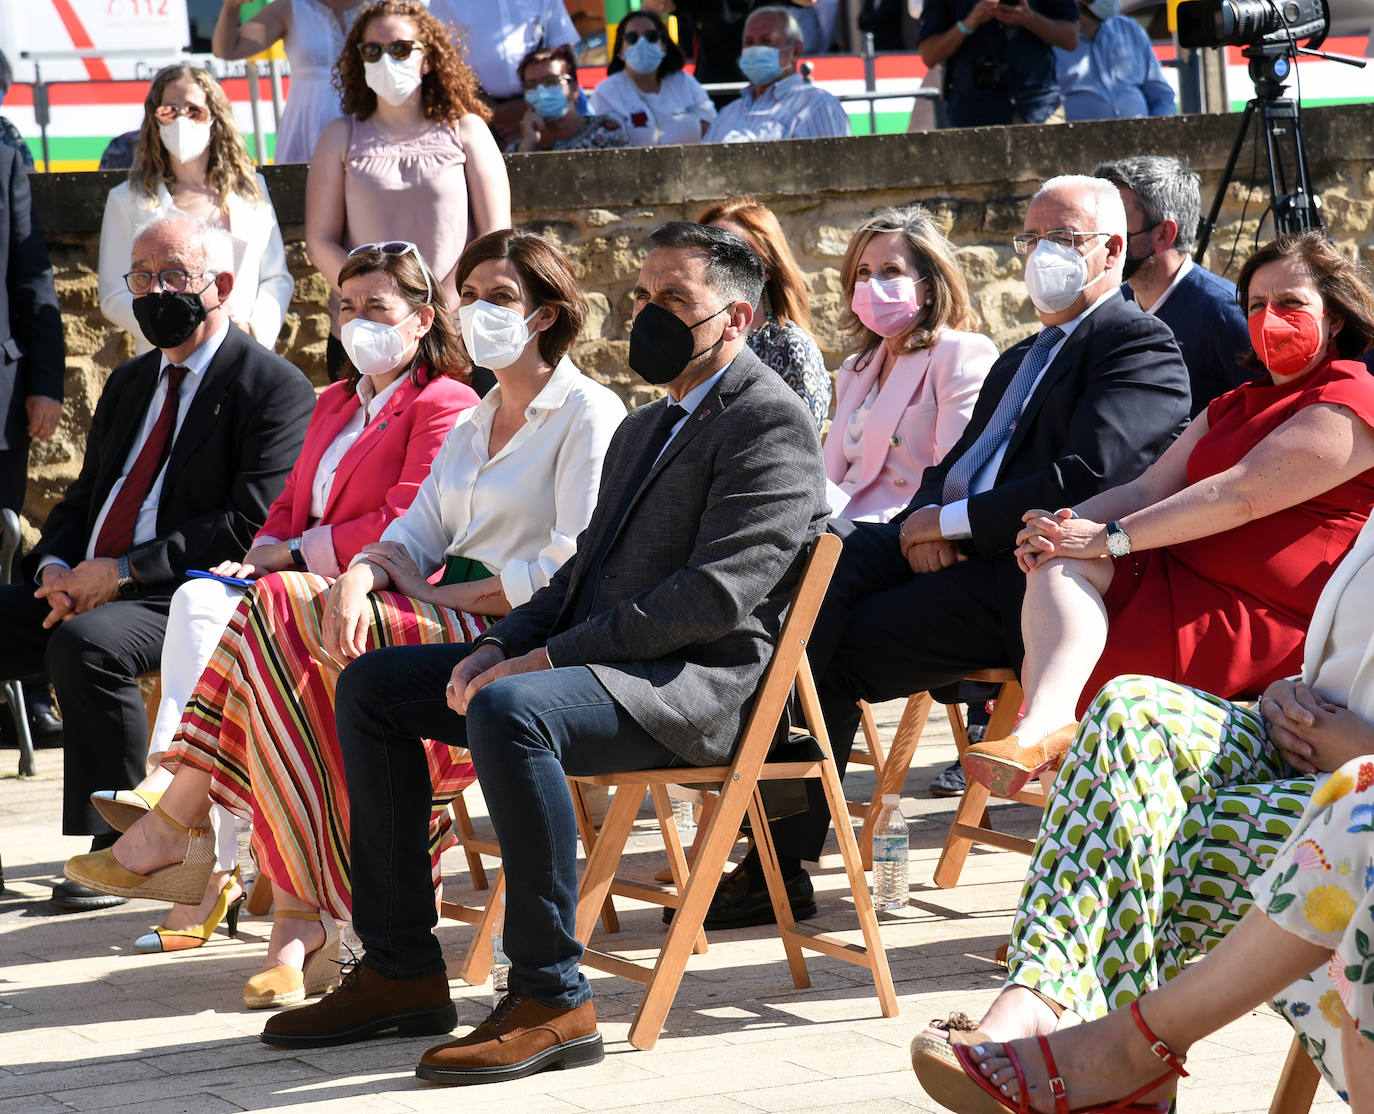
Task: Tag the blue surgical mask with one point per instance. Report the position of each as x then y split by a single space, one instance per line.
760 64
1105 9
550 101
643 57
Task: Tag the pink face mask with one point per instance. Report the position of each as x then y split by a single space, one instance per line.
886 306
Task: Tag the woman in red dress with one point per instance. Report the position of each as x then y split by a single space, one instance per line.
1208 565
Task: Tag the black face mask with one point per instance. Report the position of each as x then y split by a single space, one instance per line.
1132 264
662 344
168 319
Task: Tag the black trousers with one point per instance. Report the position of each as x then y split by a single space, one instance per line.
14 482
93 662
885 632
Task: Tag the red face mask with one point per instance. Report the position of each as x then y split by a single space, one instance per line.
1285 340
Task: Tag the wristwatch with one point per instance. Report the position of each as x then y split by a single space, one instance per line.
1118 541
493 640
297 557
127 583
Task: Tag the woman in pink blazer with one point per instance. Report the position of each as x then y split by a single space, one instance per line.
906 391
369 446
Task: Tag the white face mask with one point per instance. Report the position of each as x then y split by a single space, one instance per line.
374 346
495 336
1055 276
391 80
184 139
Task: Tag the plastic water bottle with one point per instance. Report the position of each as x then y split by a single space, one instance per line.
891 845
684 817
500 963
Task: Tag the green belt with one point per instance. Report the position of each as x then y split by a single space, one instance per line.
461 570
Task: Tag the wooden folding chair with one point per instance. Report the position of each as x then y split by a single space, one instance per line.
1298 1083
970 824
740 794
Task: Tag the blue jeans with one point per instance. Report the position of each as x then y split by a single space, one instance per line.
526 734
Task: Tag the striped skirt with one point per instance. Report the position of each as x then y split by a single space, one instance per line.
261 722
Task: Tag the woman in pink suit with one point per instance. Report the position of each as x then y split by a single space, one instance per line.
369 446
905 392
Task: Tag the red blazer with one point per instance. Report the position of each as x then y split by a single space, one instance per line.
379 475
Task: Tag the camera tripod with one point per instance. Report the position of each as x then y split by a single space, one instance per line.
1295 209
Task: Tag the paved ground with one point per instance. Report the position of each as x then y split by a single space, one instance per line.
85 1024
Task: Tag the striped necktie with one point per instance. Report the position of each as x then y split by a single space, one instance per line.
959 479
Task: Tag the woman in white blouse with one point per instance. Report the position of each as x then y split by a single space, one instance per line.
191 157
499 513
648 91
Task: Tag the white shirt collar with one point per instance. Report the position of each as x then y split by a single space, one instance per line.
777 89
374 401
693 398
1069 326
1179 277
199 360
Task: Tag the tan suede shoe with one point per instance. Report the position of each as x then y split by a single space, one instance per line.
519 1038
366 1004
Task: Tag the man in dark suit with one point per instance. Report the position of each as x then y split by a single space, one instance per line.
1085 404
643 651
32 364
1163 200
188 446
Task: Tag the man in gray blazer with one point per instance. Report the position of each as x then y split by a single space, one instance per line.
644 650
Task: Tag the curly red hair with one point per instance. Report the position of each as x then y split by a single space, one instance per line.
449 90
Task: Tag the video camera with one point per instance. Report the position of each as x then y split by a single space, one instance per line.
1252 23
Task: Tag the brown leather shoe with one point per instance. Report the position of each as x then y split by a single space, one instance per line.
519 1038
1006 767
366 1004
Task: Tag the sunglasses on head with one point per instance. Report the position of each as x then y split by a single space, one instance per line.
632 37
167 113
400 49
399 247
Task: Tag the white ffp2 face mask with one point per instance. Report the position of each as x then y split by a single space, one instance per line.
184 139
1055 276
391 80
374 346
494 335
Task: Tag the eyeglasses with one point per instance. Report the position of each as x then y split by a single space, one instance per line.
400 49
632 37
400 247
549 81
197 113
175 279
1026 242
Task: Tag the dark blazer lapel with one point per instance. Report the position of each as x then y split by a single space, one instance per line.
727 386
1065 360
209 397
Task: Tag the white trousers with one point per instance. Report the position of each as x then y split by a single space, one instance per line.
201 609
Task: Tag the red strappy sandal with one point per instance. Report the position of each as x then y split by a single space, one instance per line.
1058 1088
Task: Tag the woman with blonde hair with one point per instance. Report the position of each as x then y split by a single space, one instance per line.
781 337
915 366
412 159
191 157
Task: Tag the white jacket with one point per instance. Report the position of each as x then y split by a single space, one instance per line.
262 284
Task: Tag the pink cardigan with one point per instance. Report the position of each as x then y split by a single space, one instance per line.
377 478
919 414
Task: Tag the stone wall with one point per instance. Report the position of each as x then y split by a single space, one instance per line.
602 205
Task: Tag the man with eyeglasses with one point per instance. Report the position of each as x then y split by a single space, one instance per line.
188 446
1163 200
1086 403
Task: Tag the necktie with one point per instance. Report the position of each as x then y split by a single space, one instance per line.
654 441
959 478
117 531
